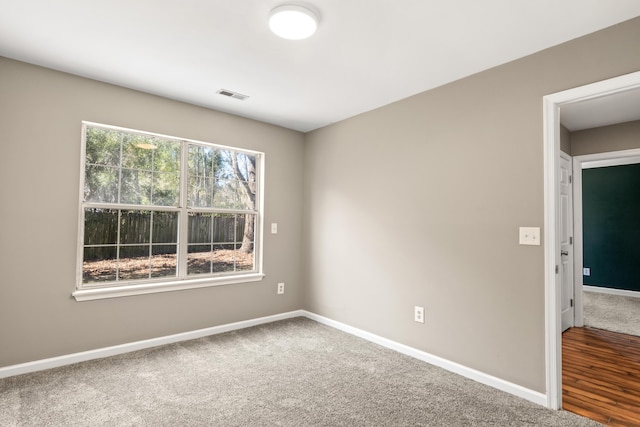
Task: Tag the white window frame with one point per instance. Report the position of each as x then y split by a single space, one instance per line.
100 290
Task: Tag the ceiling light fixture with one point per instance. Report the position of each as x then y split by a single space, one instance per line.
293 22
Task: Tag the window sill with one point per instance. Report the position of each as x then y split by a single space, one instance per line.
151 288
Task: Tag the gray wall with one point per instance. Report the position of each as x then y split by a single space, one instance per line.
624 136
40 115
419 203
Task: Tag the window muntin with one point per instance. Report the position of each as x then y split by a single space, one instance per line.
145 218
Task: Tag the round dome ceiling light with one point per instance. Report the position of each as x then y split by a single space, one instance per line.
293 22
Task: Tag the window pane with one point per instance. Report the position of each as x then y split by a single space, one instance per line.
232 194
201 160
102 146
135 227
136 187
137 151
200 192
232 240
101 184
224 228
246 166
164 261
234 178
245 232
99 264
244 260
166 156
100 226
226 194
166 173
245 174
224 164
224 258
199 259
134 262
246 195
165 227
166 189
200 228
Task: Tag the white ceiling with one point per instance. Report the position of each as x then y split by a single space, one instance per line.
365 54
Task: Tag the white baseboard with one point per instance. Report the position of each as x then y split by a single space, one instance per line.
611 291
481 377
54 362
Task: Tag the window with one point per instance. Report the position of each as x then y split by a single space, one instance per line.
161 213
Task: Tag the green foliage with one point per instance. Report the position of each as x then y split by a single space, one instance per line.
131 168
218 178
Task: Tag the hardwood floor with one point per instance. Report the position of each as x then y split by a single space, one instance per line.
601 376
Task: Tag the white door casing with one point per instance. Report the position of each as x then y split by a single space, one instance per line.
565 204
551 145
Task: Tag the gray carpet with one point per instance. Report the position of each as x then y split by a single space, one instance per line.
612 312
291 373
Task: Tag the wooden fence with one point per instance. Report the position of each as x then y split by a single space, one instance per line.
140 228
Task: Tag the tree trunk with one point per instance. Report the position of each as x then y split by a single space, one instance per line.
247 238
249 184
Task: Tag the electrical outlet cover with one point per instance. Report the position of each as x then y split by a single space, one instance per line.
530 236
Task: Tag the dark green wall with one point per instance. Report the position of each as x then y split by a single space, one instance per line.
611 226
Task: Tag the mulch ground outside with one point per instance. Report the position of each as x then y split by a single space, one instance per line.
218 261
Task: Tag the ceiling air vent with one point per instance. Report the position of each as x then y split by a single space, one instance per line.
234 95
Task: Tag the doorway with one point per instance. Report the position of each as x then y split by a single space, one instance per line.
596 162
552 236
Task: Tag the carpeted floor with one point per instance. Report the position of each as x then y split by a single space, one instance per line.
291 373
612 312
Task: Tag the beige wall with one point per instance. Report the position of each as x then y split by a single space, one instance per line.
40 115
623 136
419 203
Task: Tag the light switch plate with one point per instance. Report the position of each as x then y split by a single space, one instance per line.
274 228
530 236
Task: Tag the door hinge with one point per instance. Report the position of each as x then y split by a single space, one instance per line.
571 240
571 302
557 270
570 179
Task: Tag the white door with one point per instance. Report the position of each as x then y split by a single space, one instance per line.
566 242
